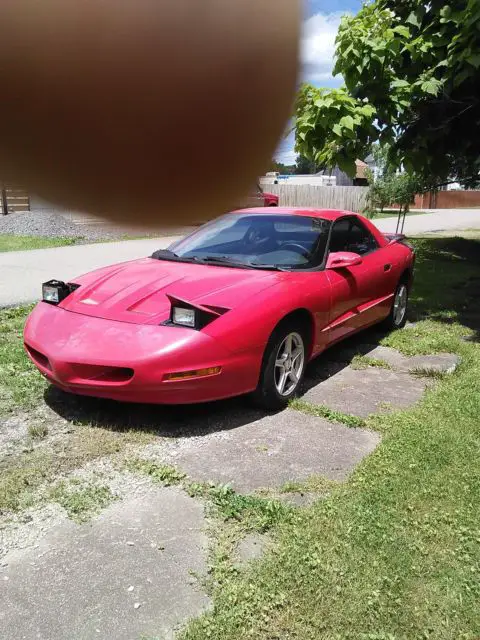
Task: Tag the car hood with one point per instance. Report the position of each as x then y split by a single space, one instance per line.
137 291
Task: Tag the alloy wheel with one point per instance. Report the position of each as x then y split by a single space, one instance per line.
289 363
400 305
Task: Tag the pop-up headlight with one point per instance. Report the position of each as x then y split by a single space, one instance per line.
192 315
54 291
183 317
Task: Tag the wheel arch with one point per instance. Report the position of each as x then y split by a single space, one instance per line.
407 277
305 318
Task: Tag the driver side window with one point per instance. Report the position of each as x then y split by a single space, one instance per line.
350 235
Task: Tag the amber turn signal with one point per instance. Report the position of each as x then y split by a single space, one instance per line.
197 373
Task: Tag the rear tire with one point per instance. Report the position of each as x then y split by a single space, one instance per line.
397 317
283 367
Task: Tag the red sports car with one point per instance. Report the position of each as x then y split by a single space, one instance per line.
239 306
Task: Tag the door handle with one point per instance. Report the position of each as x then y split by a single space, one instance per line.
387 267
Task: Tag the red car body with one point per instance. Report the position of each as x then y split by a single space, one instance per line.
270 199
108 338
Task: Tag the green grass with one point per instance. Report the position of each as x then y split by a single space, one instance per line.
324 412
38 431
364 362
80 500
425 372
393 554
163 474
313 484
379 215
23 475
394 214
253 512
10 242
21 386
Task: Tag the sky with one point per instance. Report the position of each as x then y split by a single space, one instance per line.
320 26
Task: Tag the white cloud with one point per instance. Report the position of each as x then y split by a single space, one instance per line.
287 157
318 46
317 53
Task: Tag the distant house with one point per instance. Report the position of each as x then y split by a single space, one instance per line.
325 178
344 180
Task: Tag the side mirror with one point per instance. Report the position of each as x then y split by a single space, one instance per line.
342 260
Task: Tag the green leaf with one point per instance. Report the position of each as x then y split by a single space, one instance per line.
367 110
348 122
474 60
431 86
400 84
413 19
402 31
347 165
446 11
337 129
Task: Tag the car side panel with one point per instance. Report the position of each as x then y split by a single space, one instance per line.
362 295
251 325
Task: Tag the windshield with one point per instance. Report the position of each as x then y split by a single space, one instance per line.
257 240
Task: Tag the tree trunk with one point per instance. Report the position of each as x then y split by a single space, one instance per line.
399 219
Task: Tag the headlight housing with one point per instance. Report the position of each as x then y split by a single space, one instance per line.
54 291
192 315
184 317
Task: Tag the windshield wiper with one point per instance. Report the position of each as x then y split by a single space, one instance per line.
164 254
215 258
267 267
221 260
242 265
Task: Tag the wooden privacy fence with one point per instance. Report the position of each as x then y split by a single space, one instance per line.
303 195
13 199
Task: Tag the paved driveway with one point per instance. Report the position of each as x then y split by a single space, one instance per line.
434 220
22 272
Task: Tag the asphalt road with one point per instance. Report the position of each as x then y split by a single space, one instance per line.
22 272
434 220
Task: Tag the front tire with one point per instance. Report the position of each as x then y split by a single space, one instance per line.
397 317
283 368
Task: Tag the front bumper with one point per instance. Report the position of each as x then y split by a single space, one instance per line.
129 362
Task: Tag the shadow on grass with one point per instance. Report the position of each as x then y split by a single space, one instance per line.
447 283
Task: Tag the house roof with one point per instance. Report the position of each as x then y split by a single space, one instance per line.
361 167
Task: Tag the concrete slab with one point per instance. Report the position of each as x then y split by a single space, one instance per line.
252 547
126 574
441 362
300 499
273 450
367 391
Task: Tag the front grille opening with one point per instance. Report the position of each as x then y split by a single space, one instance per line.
38 358
102 373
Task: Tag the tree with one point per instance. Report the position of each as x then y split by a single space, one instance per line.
379 192
305 166
412 81
285 169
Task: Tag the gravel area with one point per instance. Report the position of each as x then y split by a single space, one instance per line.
54 225
39 224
